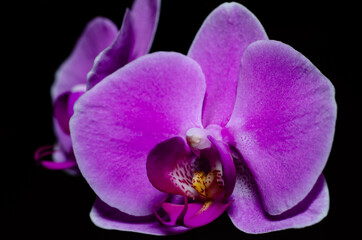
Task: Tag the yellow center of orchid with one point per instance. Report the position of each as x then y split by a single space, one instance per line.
207 185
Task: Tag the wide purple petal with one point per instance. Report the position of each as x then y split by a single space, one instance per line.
117 123
218 47
133 40
98 34
247 212
283 122
104 216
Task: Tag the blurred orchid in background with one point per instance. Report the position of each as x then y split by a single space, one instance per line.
114 50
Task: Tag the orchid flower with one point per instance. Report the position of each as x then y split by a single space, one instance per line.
242 125
114 50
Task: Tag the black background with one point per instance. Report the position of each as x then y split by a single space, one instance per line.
37 36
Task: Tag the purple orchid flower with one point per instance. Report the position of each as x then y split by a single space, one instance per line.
100 51
242 124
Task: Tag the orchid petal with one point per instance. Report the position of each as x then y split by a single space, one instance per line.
171 214
61 160
228 167
98 34
168 168
146 14
283 122
197 214
174 211
63 108
64 140
118 122
73 97
61 113
59 165
247 212
218 47
200 214
134 40
106 217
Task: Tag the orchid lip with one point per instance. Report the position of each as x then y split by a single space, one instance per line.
174 218
202 178
205 181
208 184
